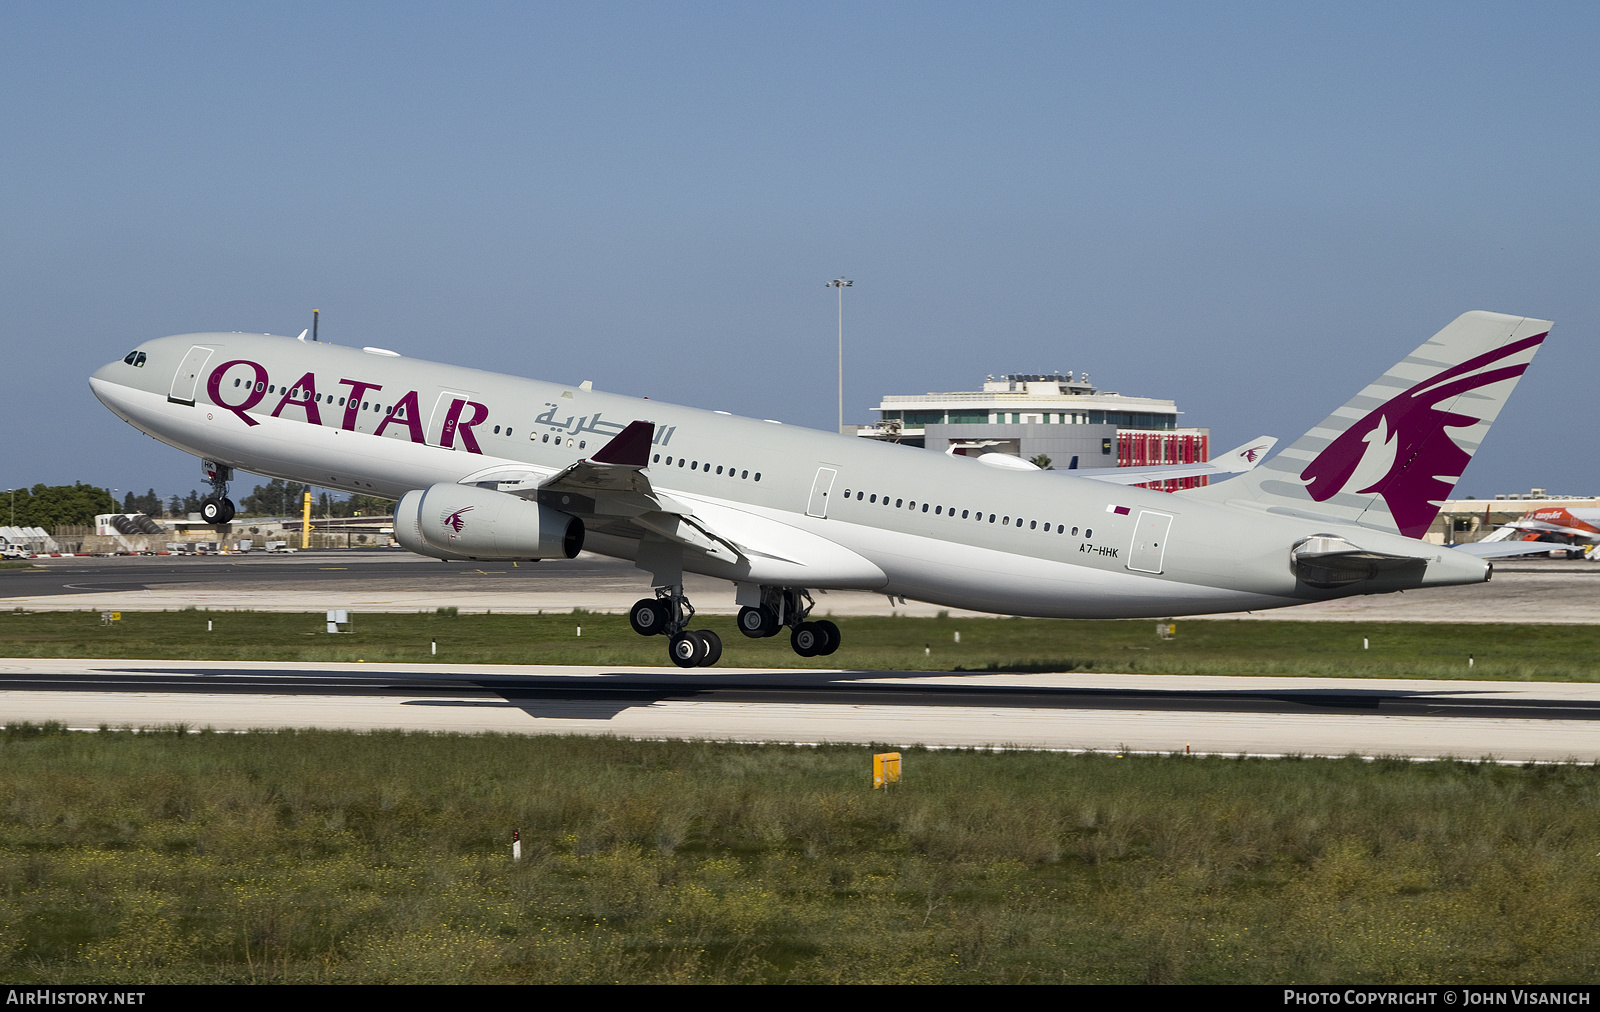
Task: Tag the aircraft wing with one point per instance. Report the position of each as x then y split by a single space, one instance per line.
1505 549
612 489
1235 461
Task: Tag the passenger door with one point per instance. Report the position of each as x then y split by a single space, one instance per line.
818 505
187 379
1149 541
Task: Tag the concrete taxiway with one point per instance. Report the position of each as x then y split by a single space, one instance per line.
1516 721
1529 590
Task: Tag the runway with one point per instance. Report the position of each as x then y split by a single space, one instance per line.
1271 716
1108 712
1523 590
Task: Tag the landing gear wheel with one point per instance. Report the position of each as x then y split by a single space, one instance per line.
807 640
830 636
228 511
687 650
757 622
713 644
649 616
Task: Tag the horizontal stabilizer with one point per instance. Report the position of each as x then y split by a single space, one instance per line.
1505 549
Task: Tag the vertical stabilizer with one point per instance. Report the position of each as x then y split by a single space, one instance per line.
1394 452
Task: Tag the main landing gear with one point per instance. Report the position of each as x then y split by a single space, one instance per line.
789 606
217 509
669 613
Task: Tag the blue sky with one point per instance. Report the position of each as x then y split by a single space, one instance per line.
1253 209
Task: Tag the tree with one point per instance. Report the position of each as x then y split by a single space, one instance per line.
52 506
368 506
1042 462
277 498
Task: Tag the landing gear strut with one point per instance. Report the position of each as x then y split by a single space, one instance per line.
790 606
668 614
217 509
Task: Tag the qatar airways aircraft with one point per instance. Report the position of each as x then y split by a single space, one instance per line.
487 466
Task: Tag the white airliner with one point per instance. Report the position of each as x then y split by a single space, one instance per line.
487 466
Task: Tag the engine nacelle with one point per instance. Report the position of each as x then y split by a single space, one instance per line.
448 521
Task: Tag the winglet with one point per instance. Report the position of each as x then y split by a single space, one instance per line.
630 447
1243 458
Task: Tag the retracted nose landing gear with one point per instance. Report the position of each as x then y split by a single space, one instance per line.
789 606
668 614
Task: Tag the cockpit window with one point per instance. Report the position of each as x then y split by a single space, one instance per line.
135 358
139 362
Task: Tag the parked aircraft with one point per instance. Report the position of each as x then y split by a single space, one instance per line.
487 466
1574 530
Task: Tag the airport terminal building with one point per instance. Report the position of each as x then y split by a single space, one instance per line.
1060 416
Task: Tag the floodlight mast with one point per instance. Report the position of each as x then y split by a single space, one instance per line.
841 284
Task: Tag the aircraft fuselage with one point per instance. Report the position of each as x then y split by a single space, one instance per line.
897 520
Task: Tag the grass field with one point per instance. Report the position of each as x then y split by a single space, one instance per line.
1395 650
326 856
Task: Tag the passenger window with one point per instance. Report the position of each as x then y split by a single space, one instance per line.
546 438
1033 525
581 443
260 387
656 459
235 382
874 497
508 431
758 476
719 468
744 474
682 462
898 503
341 402
937 510
1006 522
991 518
1074 532
963 514
694 465
1060 528
924 507
1088 532
497 430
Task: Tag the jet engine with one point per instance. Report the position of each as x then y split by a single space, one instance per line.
448 521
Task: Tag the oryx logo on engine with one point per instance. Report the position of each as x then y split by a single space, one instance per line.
454 521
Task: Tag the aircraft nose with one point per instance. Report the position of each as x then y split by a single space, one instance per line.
106 373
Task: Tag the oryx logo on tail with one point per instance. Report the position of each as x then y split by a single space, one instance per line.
1401 451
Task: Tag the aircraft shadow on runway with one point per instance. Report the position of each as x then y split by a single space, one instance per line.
603 696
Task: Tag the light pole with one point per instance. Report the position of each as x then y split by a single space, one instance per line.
841 284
